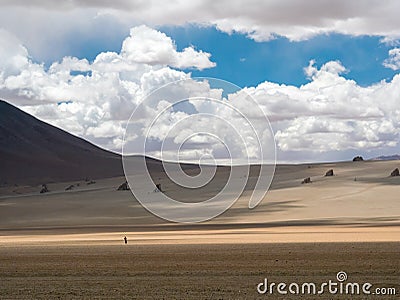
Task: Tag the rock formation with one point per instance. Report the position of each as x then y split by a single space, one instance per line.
395 173
158 188
306 180
124 187
358 158
329 173
44 189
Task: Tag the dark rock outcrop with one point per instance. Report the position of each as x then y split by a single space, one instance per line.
306 180
358 158
68 188
44 189
91 182
124 187
329 173
46 153
158 188
395 173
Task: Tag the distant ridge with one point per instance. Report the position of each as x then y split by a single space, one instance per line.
388 157
34 152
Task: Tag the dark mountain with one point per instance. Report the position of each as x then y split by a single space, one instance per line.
34 152
389 157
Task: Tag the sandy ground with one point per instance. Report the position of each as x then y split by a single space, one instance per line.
68 244
371 200
289 234
222 271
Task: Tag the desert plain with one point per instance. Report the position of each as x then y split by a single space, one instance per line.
69 244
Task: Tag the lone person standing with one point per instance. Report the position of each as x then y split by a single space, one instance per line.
126 240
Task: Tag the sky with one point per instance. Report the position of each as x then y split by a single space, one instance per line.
325 74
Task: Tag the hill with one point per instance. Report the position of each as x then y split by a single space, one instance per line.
388 157
34 152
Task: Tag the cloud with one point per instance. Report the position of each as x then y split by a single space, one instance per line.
14 55
148 46
331 113
94 99
393 62
258 19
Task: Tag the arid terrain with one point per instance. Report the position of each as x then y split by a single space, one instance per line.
179 271
359 195
69 244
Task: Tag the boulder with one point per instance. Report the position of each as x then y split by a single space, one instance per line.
44 189
306 180
124 187
91 182
395 172
68 188
358 158
329 173
158 188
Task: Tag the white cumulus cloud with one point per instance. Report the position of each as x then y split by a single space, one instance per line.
148 46
332 113
95 99
393 62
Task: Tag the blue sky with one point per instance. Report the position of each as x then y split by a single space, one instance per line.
348 106
246 62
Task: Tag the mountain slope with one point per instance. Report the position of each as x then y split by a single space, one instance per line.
34 152
388 157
